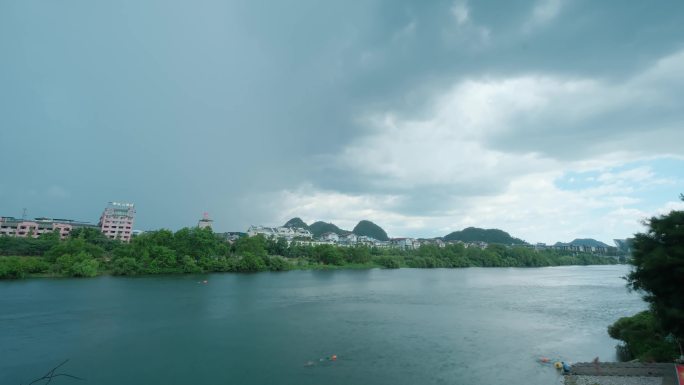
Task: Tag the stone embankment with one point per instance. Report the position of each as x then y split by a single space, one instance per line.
621 373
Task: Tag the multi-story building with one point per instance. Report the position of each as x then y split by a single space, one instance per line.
287 233
116 221
405 243
14 227
330 237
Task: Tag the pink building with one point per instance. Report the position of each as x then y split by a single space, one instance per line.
13 227
116 221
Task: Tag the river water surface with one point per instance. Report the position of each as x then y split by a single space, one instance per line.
408 326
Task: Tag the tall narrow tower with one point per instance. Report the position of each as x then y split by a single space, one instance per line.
205 222
116 221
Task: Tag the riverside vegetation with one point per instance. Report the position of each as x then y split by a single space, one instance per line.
88 253
658 259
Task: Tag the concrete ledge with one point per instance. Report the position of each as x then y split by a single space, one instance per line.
616 373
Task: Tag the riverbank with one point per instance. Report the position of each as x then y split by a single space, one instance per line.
88 254
23 267
621 373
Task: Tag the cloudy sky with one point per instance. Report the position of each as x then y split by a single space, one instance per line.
550 119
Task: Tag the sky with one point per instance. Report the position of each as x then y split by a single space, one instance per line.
549 119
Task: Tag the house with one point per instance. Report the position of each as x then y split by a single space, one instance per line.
287 233
330 237
267 232
348 240
405 243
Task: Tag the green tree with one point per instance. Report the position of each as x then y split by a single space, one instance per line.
251 263
359 254
251 245
73 246
80 264
125 266
95 237
328 254
644 337
658 259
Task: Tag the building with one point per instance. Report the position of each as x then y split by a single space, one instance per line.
255 230
14 227
330 237
405 243
348 240
116 221
287 233
231 236
205 222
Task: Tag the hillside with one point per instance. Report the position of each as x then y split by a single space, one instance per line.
296 223
474 234
370 229
585 242
319 228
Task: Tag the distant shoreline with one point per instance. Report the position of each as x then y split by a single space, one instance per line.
293 267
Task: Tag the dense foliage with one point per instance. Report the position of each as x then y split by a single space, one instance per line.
644 338
474 234
192 250
370 229
658 259
26 246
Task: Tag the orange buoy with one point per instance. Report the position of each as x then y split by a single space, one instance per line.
544 359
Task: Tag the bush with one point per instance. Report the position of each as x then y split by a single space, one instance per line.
643 338
329 255
125 266
388 262
10 268
251 263
277 263
85 268
78 265
19 267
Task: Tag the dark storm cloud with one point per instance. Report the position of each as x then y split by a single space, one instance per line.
186 107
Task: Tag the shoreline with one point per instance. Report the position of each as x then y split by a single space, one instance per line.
320 267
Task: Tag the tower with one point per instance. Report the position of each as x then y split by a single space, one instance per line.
205 222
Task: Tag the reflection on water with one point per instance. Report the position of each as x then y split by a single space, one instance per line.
474 326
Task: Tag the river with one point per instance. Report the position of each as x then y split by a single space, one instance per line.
407 326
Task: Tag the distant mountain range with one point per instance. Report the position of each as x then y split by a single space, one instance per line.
470 234
319 228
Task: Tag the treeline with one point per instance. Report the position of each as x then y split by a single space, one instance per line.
658 273
88 253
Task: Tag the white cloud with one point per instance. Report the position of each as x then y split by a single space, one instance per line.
460 11
544 11
465 31
486 156
532 207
